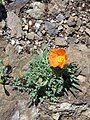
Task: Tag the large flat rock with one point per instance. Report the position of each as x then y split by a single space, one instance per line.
81 55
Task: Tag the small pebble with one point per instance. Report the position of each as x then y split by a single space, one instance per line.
37 25
30 23
25 27
12 42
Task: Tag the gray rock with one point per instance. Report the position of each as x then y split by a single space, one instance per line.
65 106
3 23
16 116
37 11
88 43
82 29
56 116
81 78
69 30
67 14
25 27
37 27
79 22
19 48
87 31
16 5
71 22
34 112
60 28
24 20
31 35
88 25
38 36
87 113
80 54
30 23
43 32
60 41
60 17
39 33
71 40
9 49
24 117
82 47
51 28
1 33
3 45
14 24
50 25
7 105
13 42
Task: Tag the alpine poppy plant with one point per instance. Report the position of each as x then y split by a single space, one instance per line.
58 58
47 76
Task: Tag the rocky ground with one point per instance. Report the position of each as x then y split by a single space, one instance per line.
30 25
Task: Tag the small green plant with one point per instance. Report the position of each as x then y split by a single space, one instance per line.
43 81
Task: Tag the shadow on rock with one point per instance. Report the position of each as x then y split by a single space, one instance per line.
6 91
70 86
3 13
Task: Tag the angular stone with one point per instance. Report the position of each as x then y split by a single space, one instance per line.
60 28
17 5
60 17
13 106
60 41
24 20
81 78
30 23
79 22
71 22
82 47
3 23
87 31
65 106
19 48
9 49
56 116
88 43
37 25
37 11
1 33
81 29
13 42
14 24
81 56
88 25
51 28
71 40
25 27
87 113
67 14
43 32
31 35
16 116
50 25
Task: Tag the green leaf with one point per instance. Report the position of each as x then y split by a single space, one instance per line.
1 82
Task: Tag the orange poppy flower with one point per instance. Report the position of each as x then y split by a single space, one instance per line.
58 58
